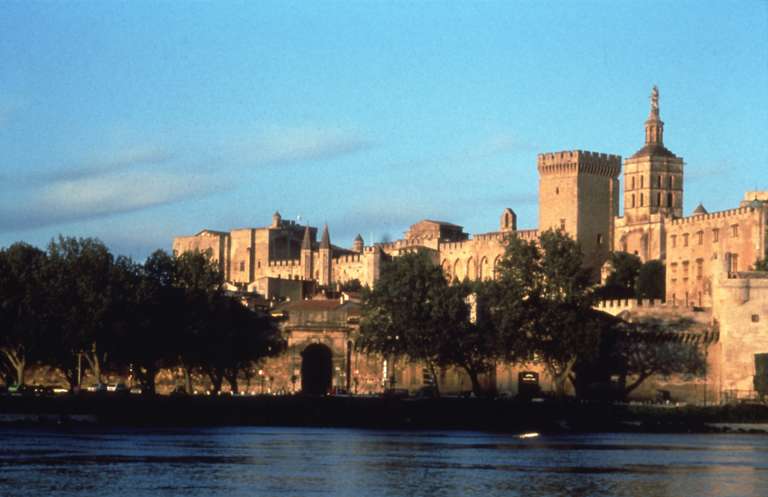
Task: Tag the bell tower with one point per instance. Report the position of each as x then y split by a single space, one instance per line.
653 176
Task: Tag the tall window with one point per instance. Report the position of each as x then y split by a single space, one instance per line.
700 237
715 235
685 240
633 199
641 195
669 200
658 198
674 240
633 182
659 181
735 230
699 268
641 181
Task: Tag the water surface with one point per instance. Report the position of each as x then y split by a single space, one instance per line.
244 461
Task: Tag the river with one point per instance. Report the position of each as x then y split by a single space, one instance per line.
245 461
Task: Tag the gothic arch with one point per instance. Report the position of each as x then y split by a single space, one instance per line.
471 269
483 271
446 269
459 270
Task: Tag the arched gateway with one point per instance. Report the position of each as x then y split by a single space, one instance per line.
316 369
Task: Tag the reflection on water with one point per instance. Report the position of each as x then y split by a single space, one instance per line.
240 461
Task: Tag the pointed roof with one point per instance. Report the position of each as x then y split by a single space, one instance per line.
358 238
306 243
325 241
700 210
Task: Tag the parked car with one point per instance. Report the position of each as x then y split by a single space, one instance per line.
117 388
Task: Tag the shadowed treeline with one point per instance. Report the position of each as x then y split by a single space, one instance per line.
76 306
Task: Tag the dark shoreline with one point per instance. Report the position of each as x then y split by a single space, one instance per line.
501 415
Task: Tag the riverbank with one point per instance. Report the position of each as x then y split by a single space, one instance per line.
502 415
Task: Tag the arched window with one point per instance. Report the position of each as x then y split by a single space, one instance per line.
471 271
641 199
669 200
633 200
496 268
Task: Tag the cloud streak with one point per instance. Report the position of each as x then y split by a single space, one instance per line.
285 145
87 198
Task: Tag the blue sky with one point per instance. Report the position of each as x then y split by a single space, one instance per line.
138 121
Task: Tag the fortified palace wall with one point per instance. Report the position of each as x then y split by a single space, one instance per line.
579 194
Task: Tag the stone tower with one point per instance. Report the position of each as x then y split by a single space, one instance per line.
358 244
579 194
306 254
653 176
324 259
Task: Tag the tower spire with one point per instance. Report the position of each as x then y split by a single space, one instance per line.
306 243
325 241
654 126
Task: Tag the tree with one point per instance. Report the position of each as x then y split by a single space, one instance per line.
22 306
650 281
761 264
234 338
81 299
621 282
543 306
471 343
404 315
150 310
201 281
653 346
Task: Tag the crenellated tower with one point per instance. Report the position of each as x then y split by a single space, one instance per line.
579 194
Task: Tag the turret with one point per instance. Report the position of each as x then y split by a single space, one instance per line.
276 220
358 244
324 258
306 254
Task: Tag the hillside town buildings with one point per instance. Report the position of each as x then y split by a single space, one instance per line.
706 254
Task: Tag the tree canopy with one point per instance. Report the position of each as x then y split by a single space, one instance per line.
77 301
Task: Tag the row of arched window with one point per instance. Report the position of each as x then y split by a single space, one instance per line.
461 269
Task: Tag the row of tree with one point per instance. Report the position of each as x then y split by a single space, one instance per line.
76 305
540 307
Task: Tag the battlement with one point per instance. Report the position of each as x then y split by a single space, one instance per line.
579 161
712 215
619 305
285 263
455 245
346 259
528 235
494 236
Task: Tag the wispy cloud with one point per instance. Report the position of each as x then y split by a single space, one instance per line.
125 179
280 145
101 163
86 198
